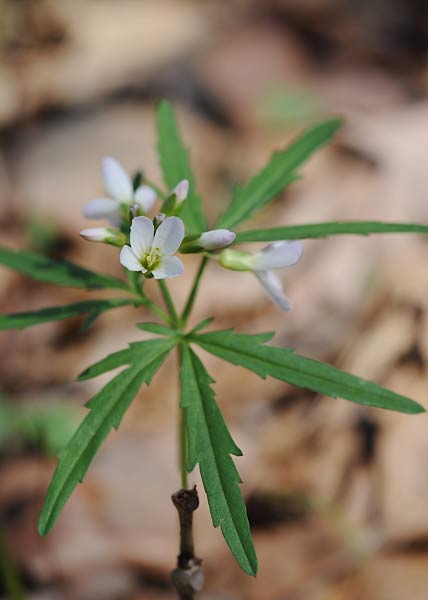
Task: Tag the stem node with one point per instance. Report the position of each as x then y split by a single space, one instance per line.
188 577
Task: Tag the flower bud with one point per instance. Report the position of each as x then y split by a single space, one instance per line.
174 203
236 260
209 240
159 218
216 238
108 235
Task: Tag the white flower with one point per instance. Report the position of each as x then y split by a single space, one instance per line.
152 252
274 256
119 185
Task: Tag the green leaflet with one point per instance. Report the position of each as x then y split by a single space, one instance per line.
156 328
91 308
286 365
322 230
107 409
174 158
277 174
146 351
61 272
211 445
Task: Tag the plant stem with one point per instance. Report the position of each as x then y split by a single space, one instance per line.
188 577
192 296
136 288
175 319
155 309
182 435
8 572
183 450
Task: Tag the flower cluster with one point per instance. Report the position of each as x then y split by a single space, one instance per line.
148 245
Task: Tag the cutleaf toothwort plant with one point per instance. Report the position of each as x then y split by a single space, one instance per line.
153 229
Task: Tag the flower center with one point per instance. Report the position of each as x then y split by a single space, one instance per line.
151 259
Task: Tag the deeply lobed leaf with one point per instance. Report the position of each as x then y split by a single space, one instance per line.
277 174
323 230
61 272
174 158
107 409
210 446
284 364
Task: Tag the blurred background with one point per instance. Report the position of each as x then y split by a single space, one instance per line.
337 495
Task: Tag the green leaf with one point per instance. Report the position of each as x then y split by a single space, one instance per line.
201 325
277 174
174 158
286 365
210 445
323 230
61 272
107 409
136 351
91 308
157 328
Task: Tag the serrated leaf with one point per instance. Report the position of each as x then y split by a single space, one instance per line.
277 174
286 365
174 159
210 446
136 351
107 409
61 272
91 308
323 230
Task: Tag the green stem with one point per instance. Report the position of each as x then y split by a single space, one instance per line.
8 572
136 288
174 318
155 309
192 296
183 451
182 437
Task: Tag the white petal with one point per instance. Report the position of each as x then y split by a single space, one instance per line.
278 255
141 235
145 197
95 234
170 266
181 190
116 180
169 235
103 208
217 238
129 260
273 287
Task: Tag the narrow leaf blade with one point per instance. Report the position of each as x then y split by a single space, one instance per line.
156 328
174 158
210 446
286 365
61 272
323 230
91 308
277 174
